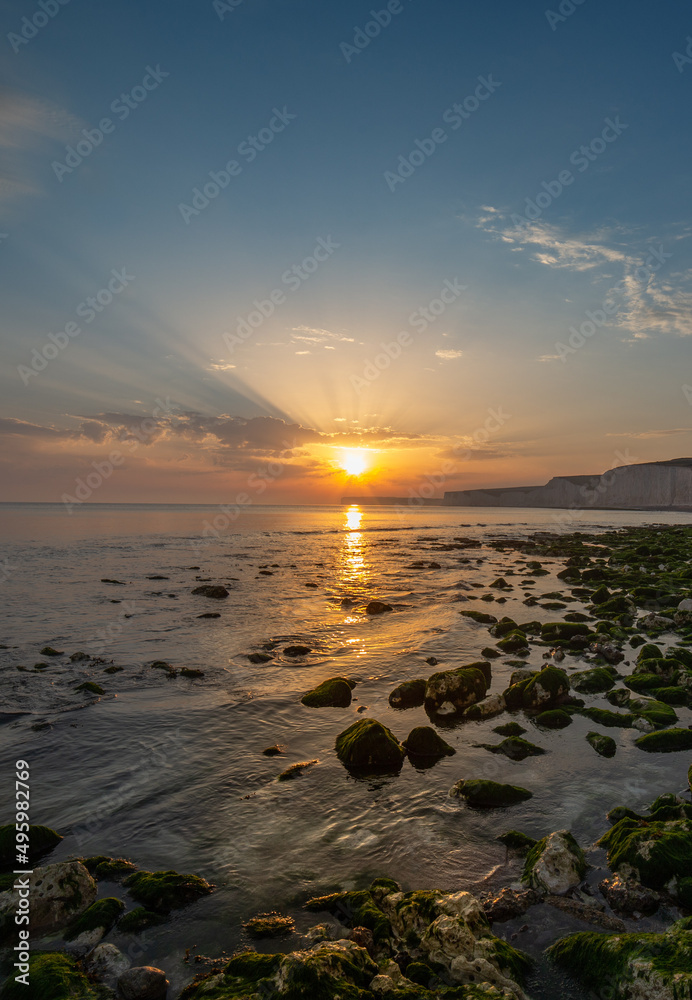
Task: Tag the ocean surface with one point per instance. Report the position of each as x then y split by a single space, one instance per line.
169 771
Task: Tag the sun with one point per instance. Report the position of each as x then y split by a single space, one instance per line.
354 461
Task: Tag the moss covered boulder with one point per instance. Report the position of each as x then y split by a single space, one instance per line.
604 717
665 741
410 694
515 748
449 692
269 925
635 966
54 976
554 718
593 681
166 890
424 741
510 729
657 848
555 865
603 745
334 693
368 745
41 840
486 794
543 689
95 922
59 894
138 920
552 631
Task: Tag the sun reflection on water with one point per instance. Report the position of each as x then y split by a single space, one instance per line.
354 570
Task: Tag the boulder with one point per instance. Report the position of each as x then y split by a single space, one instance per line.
334 693
626 895
59 894
410 694
486 794
494 704
423 741
603 745
449 692
218 593
554 718
143 983
555 865
378 608
54 975
88 929
509 904
665 741
106 963
368 745
41 840
163 891
269 925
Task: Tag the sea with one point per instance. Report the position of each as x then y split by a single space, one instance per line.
169 771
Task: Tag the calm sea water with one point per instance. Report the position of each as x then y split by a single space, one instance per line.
170 772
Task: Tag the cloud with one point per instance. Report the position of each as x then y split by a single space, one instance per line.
645 435
220 366
448 355
646 295
314 335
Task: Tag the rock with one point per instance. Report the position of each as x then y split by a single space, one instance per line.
210 614
603 717
410 694
41 840
49 651
634 966
260 657
515 748
522 674
656 851
510 904
138 920
90 688
95 922
79 657
609 652
451 691
626 895
479 616
59 894
666 741
269 925
514 840
510 729
588 912
297 650
368 745
551 631
378 608
334 693
423 741
685 605
191 673
494 704
218 593
54 976
273 751
489 794
490 654
592 681
364 939
163 891
555 865
603 745
546 689
143 983
555 718
295 770
106 963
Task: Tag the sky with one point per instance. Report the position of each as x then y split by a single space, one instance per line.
293 250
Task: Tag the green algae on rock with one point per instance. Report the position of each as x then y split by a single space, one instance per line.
54 976
91 688
163 891
604 717
367 744
555 864
515 748
510 729
665 741
424 741
489 794
101 866
410 694
593 681
138 920
479 616
515 840
100 916
451 691
333 693
603 745
295 770
554 718
634 965
269 925
41 840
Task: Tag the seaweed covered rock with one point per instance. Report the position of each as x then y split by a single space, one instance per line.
603 745
544 689
552 631
665 741
510 729
555 865
515 840
632 966
410 694
368 745
41 840
54 975
101 866
604 717
269 925
627 896
333 693
509 903
593 681
515 748
423 741
449 692
448 933
144 982
166 890
486 794
59 894
217 593
95 922
554 718
657 849
486 708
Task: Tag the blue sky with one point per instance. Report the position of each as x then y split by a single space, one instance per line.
555 84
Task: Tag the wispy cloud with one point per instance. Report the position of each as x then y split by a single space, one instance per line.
448 355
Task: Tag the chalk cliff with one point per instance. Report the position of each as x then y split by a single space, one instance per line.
652 486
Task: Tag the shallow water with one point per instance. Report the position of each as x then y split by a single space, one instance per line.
169 772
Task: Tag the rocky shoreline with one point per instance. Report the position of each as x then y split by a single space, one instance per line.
632 644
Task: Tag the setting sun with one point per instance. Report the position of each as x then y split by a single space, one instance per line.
354 461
